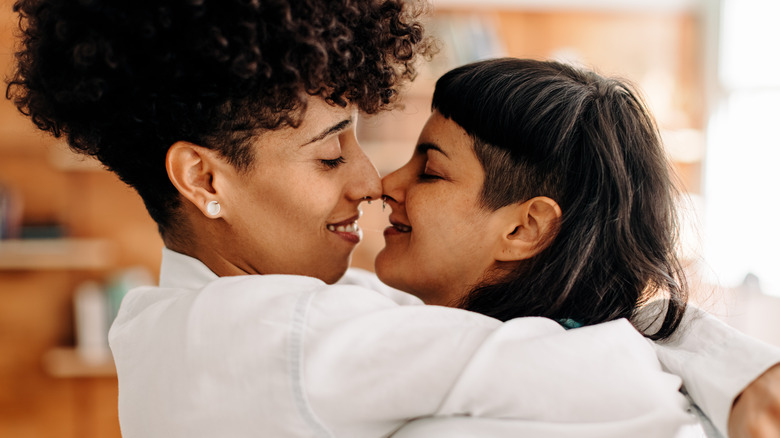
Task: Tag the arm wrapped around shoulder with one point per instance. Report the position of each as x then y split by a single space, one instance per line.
718 363
600 380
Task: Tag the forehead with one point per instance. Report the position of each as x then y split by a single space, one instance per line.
316 120
448 136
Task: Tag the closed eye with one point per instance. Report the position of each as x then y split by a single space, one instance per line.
427 174
332 164
428 177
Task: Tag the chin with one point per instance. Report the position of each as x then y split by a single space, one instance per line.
388 280
428 296
386 276
335 274
383 272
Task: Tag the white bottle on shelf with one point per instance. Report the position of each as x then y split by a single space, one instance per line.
91 321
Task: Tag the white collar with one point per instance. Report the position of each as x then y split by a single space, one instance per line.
182 271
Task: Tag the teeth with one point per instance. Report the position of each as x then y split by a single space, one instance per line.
351 228
402 228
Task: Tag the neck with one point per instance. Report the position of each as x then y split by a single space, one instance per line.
200 241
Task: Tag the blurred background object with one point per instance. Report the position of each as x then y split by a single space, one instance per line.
741 181
73 238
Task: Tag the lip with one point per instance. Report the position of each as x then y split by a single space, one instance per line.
397 228
348 229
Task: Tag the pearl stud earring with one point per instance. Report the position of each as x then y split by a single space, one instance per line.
213 208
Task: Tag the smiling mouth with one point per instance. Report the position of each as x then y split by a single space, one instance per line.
397 228
347 230
402 228
344 228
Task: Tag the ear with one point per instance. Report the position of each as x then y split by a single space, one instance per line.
531 227
192 169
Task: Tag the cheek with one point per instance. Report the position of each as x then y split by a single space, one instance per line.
426 204
295 198
441 220
450 237
437 234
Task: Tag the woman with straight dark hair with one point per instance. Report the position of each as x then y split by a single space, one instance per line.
539 189
583 151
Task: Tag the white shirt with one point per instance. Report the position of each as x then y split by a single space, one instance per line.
289 356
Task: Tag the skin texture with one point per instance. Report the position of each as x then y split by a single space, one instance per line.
756 413
275 216
443 240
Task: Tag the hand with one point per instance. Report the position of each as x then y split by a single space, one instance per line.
756 411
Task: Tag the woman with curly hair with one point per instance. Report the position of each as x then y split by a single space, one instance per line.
235 123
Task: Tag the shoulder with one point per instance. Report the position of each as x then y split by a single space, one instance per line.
277 296
369 280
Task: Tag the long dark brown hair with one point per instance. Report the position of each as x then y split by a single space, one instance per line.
588 142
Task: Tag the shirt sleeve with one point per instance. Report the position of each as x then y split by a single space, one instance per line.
371 370
715 361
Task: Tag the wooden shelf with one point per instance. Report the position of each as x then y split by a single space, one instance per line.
66 362
21 254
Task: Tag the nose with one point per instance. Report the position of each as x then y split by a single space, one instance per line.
367 184
394 186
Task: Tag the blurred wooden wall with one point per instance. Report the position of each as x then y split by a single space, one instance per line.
36 304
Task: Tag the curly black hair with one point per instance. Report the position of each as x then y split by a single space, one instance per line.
123 80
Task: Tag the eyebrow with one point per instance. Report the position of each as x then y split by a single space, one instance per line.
340 126
423 148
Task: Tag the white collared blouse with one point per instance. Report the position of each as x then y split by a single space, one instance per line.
290 356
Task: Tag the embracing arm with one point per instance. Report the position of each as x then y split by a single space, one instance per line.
389 364
756 412
726 374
